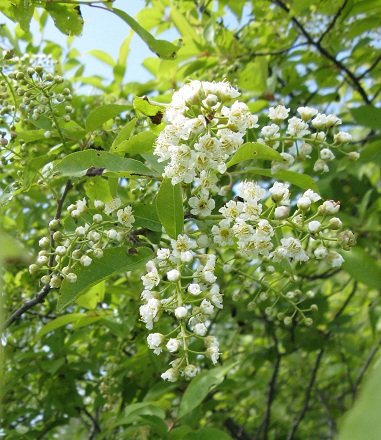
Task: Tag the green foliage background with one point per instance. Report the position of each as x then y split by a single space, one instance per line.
76 365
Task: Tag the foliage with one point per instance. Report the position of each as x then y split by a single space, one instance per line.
208 217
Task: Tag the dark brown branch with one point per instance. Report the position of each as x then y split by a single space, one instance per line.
350 75
302 413
236 430
41 295
371 67
365 367
333 22
322 276
311 384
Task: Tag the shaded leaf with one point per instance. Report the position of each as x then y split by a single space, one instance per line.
169 206
67 18
362 267
77 164
367 116
113 261
146 217
200 387
254 150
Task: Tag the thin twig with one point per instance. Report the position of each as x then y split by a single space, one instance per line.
351 76
333 22
372 66
365 367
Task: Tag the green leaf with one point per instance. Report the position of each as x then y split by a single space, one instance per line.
139 143
93 296
200 387
61 321
363 421
146 217
144 106
78 164
162 48
102 56
19 11
169 207
254 76
114 261
362 267
156 423
124 134
135 411
254 150
208 434
100 115
67 18
368 116
9 247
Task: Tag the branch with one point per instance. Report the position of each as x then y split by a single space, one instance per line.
333 22
311 383
41 295
365 367
372 66
299 418
354 80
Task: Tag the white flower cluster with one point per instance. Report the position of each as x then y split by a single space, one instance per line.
181 282
103 225
309 233
205 126
312 135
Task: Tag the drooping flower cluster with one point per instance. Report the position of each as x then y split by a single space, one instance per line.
276 235
98 227
310 135
180 282
205 126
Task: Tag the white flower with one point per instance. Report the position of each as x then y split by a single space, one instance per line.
149 311
297 127
71 277
314 226
111 206
207 307
163 254
85 260
320 252
334 259
173 275
200 329
94 236
250 191
270 131
194 289
202 205
151 278
223 233
333 120
154 341
320 121
306 113
304 203
170 375
97 218
213 354
232 210
182 248
342 138
209 276
281 212
44 242
329 207
326 154
305 150
278 113
280 193
61 250
312 195
172 345
190 371
293 249
112 234
243 231
181 312
98 204
125 217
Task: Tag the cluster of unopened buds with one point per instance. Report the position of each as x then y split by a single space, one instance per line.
310 135
180 282
100 226
35 91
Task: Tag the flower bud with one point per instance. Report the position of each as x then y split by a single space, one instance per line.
181 312
85 260
44 242
71 277
173 275
281 212
304 203
314 226
334 223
